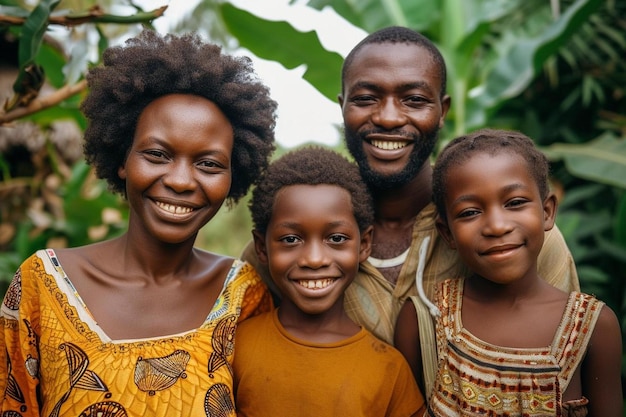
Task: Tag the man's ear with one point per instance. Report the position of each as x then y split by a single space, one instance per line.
340 100
366 243
259 246
550 205
445 106
444 231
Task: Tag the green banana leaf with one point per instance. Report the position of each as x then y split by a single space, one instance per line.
372 15
281 42
602 160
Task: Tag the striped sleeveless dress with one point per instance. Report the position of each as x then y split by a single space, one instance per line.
477 378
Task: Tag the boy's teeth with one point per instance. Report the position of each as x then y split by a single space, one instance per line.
387 145
315 284
174 209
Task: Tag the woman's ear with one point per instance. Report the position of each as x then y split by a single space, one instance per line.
259 246
444 231
366 243
550 205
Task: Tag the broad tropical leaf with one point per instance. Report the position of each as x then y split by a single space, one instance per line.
602 160
286 45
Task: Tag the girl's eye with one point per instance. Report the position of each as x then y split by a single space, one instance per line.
468 213
289 239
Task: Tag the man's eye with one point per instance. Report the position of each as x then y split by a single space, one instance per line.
363 100
415 101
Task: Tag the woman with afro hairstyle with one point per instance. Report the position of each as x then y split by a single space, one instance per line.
143 324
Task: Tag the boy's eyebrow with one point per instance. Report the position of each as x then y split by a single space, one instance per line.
295 225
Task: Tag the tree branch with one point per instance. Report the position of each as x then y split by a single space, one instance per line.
44 102
93 15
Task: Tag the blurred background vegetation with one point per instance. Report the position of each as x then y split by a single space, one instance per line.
552 69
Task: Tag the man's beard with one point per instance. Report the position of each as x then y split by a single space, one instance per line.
423 146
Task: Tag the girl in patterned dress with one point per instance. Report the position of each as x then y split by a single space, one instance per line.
143 324
509 344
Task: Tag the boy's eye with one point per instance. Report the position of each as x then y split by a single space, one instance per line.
338 238
516 202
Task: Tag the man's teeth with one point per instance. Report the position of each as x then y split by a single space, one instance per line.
174 209
316 284
388 146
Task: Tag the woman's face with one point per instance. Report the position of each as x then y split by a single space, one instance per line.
178 169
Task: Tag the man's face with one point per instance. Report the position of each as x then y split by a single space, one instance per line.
392 110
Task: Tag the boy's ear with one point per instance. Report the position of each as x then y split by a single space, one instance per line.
366 243
444 231
550 205
259 246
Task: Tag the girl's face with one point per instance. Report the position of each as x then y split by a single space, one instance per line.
178 169
496 217
313 247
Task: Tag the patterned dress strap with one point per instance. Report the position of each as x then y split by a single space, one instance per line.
573 334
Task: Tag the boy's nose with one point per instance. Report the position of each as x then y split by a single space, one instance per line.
315 256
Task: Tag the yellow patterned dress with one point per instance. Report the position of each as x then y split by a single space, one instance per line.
476 378
56 361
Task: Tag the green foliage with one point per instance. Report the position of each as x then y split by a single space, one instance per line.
79 212
288 46
602 159
557 75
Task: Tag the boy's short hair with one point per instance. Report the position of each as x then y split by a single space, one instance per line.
492 142
151 66
311 165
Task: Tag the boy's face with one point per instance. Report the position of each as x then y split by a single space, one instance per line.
496 217
313 246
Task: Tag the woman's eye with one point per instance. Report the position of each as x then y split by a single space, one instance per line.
155 153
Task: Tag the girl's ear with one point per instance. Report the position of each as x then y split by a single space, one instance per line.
550 205
259 246
366 243
121 172
446 234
